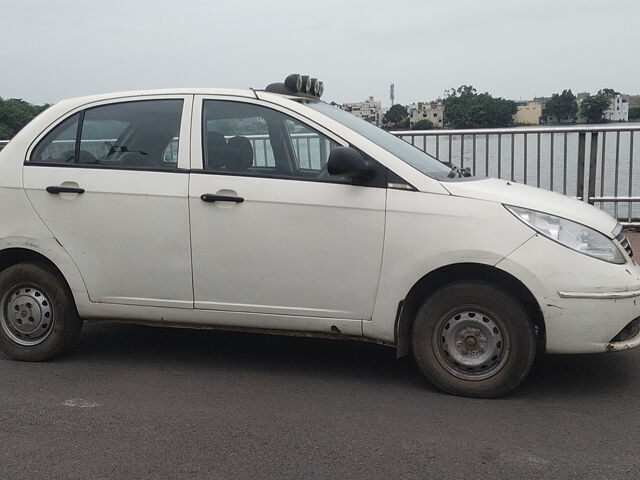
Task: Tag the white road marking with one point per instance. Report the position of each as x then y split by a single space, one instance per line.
80 403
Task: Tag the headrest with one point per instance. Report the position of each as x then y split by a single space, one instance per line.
240 154
216 149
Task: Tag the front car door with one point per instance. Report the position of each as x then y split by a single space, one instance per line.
272 232
110 181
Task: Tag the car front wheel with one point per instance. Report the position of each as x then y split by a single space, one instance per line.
473 339
38 318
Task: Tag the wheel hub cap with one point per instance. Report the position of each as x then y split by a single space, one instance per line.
27 315
471 345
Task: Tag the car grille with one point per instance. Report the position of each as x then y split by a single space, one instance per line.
624 241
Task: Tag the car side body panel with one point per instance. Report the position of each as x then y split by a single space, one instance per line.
425 232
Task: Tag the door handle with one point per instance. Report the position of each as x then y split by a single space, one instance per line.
56 189
210 197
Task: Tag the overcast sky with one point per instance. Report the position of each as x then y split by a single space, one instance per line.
55 49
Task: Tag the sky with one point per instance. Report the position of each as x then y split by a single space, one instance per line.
517 49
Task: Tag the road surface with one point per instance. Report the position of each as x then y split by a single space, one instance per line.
142 402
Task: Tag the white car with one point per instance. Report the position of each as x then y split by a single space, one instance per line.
273 211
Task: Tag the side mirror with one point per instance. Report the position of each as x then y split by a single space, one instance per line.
347 162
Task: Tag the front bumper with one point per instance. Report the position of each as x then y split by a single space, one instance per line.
629 337
586 303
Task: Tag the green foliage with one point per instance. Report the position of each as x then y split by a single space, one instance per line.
634 113
15 114
593 107
563 106
465 108
609 92
423 124
396 116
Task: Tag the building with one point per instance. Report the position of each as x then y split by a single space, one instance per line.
618 110
432 111
369 110
582 95
632 100
528 113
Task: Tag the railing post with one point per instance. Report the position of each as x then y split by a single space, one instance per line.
323 151
593 159
582 138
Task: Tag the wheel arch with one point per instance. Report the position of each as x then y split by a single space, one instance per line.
408 308
16 255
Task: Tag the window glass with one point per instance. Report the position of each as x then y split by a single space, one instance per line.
248 139
311 149
141 134
59 145
406 152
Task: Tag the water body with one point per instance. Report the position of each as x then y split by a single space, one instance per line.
619 178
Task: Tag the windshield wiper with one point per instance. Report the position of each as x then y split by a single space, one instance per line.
459 172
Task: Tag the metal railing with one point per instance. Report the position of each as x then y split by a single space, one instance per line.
311 150
592 163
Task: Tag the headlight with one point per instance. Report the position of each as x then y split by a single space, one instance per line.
570 234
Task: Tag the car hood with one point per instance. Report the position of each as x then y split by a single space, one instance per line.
511 193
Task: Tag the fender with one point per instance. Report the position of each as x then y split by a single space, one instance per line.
50 249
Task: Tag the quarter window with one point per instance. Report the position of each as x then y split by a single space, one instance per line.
247 139
142 134
59 145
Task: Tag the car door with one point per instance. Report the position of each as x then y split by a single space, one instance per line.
110 181
271 231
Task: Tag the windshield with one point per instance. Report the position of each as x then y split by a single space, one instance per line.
406 152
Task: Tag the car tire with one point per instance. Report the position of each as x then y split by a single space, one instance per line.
473 339
38 317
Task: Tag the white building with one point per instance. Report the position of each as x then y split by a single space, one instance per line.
432 111
618 110
369 110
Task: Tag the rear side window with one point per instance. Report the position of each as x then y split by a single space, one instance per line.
140 135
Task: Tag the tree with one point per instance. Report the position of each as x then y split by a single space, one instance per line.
609 92
563 106
634 113
465 108
593 107
424 124
15 114
396 116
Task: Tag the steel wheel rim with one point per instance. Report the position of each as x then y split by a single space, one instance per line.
27 315
471 344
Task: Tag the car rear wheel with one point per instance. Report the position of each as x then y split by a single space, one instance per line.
38 318
473 339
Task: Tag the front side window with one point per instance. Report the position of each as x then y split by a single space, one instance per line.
141 134
247 139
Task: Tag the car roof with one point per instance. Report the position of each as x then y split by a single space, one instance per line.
164 91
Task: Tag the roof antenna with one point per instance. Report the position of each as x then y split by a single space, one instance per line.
255 93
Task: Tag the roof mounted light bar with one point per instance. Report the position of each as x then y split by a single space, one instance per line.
298 85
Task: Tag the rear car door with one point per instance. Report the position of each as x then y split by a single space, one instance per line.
110 181
272 232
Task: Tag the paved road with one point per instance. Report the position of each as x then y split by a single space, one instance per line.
142 402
